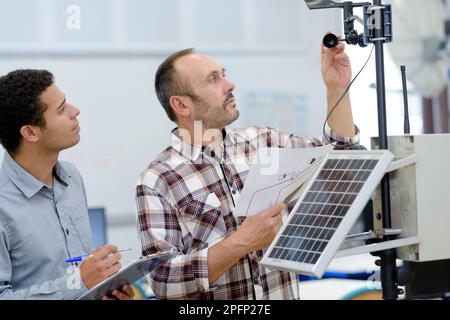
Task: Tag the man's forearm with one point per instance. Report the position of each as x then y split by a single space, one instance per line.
223 255
341 120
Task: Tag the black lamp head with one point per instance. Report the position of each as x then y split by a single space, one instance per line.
330 40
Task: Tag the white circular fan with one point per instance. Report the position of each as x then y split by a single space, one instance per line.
420 43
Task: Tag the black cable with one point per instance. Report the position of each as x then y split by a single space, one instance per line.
337 145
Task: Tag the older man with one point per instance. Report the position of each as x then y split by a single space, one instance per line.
186 196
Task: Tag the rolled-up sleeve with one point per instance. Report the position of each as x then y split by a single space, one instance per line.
184 276
287 140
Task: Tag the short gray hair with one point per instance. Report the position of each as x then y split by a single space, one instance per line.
168 83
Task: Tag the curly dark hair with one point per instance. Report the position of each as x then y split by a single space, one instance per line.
20 103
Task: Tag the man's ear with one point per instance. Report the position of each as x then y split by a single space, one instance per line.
29 133
181 106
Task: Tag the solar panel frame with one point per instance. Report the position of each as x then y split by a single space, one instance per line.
317 263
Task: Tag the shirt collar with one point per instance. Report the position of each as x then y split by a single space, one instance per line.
193 152
26 183
188 150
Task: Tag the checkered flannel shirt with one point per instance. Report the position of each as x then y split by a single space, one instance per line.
185 200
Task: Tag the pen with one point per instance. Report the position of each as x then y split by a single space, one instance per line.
83 257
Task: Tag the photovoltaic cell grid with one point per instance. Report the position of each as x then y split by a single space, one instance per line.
322 210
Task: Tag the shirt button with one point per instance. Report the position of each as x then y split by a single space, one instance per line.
67 231
233 191
213 154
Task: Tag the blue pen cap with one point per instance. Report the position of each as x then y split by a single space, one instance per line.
75 259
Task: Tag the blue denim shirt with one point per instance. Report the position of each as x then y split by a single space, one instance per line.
41 227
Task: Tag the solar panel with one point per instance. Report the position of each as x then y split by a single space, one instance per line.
325 213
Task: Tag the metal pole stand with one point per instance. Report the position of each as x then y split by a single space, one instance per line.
379 31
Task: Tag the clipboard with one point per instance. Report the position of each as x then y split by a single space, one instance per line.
134 271
278 175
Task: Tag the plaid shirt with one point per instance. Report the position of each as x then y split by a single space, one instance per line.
185 200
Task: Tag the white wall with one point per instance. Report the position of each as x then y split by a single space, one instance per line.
273 60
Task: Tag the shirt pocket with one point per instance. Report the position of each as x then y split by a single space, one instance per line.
203 219
79 219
